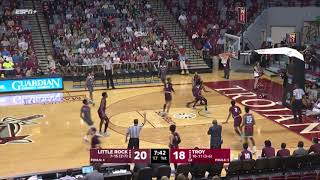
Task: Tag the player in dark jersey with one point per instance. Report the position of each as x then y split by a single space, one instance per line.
95 141
197 93
168 89
102 114
195 79
248 124
245 154
85 115
90 85
235 111
163 69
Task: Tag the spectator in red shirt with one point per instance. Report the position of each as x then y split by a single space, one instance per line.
283 152
315 147
267 151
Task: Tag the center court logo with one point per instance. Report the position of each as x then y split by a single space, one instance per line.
185 116
10 128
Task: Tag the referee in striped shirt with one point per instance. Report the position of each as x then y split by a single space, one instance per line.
134 133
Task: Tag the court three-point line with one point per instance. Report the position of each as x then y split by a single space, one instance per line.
146 119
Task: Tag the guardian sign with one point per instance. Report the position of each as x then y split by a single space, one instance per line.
32 84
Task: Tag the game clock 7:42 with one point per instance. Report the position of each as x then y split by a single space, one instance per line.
159 155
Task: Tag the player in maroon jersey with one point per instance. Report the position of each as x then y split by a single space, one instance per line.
168 90
248 124
102 114
245 154
235 111
197 93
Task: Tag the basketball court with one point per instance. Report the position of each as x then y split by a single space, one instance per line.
43 131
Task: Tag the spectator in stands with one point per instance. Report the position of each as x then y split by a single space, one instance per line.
268 151
183 58
68 176
283 152
300 151
164 178
29 72
181 177
22 44
245 153
7 64
216 178
95 175
315 147
313 93
183 19
315 109
51 65
206 48
5 52
64 65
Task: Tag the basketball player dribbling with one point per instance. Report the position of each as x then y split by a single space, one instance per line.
235 111
102 114
168 89
90 85
248 124
85 115
197 93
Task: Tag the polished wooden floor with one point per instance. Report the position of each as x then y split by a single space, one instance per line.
57 137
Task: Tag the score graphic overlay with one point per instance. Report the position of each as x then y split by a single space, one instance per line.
159 155
199 155
119 155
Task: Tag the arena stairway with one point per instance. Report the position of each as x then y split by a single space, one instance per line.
170 24
41 39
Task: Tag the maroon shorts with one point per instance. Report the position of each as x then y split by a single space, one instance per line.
167 97
248 131
237 121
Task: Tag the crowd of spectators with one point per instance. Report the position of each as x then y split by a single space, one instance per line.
86 32
206 21
17 54
268 151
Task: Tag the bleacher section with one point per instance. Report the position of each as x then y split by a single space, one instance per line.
17 53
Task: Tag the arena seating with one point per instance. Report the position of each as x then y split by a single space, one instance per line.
77 172
206 20
288 167
16 42
89 30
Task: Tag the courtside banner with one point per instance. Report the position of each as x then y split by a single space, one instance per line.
31 84
159 156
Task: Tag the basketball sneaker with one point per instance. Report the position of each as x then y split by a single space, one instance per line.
254 150
106 134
